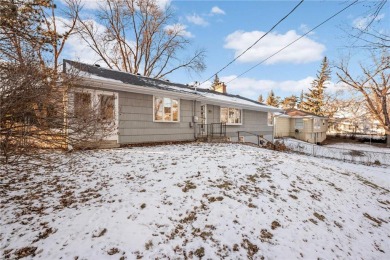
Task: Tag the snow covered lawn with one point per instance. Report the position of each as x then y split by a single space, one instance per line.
360 147
196 200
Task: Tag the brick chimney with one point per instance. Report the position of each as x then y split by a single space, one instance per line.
221 87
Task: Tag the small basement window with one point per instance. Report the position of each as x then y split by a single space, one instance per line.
166 109
231 116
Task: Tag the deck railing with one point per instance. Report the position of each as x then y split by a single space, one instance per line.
212 130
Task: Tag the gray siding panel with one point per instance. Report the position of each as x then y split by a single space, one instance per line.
252 121
136 121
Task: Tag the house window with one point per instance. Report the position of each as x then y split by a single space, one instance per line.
166 109
106 107
82 104
270 119
231 116
317 123
323 122
299 123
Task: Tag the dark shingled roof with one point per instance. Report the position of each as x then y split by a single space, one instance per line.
139 80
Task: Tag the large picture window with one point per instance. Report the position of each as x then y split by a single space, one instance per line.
231 116
166 109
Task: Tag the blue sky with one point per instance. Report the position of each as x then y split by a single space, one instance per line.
226 28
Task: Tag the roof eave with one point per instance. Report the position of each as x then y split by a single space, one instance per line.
125 87
218 102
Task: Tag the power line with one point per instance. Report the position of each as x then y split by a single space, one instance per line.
291 43
273 27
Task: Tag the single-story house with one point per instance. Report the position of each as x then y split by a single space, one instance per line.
152 110
301 125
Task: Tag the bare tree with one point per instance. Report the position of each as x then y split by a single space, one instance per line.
366 34
35 28
138 36
374 86
36 101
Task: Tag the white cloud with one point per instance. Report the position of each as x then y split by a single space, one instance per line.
217 10
180 28
362 22
252 88
304 28
303 51
196 19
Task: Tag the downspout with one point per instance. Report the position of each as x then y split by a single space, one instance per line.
193 117
274 129
194 111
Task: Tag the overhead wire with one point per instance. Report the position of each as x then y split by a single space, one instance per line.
291 43
273 27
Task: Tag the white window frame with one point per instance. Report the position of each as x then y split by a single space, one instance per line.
316 123
96 102
295 123
81 91
165 121
268 118
227 123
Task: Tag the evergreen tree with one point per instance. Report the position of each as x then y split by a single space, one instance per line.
289 102
260 99
314 100
272 100
300 100
215 83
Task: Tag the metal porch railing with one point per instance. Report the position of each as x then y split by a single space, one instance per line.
212 130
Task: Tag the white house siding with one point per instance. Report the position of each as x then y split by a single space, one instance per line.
282 126
136 121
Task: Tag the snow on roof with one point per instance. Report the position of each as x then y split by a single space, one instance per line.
104 74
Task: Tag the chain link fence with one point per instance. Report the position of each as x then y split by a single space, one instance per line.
357 156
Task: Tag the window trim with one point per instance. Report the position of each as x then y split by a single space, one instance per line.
295 124
316 120
227 123
99 100
95 102
74 103
163 121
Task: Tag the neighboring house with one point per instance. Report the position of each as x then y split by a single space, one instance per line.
151 110
301 125
361 125
354 118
